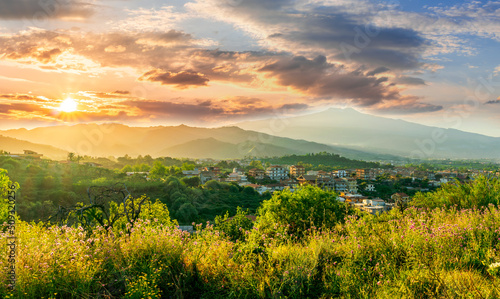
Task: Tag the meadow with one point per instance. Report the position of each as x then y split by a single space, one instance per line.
420 252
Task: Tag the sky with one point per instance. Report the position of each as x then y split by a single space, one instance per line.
219 62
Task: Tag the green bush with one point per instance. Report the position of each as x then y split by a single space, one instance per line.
234 227
301 210
479 193
5 190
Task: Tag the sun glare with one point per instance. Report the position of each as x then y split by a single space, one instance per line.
68 105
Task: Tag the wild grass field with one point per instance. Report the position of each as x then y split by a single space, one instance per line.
303 245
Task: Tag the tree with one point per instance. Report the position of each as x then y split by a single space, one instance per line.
112 208
127 168
186 213
158 171
300 210
191 182
256 164
187 166
72 157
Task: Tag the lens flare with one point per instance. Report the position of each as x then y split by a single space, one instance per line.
68 105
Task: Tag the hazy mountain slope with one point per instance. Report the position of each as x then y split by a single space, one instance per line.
349 128
213 148
16 146
179 141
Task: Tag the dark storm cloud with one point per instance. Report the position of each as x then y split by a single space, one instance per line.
52 9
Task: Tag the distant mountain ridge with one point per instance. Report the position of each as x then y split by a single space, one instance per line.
16 146
176 141
355 130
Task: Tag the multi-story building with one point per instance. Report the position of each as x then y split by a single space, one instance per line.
352 186
341 186
297 170
325 182
366 174
276 172
237 176
340 173
324 175
258 174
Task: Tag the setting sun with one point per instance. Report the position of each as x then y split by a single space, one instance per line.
68 105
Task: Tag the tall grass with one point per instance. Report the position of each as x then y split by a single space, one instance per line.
419 254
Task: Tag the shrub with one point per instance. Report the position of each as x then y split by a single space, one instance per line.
234 227
302 209
478 193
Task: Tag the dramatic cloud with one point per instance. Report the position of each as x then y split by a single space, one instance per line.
180 80
209 110
359 53
39 10
333 30
120 106
320 78
179 110
172 57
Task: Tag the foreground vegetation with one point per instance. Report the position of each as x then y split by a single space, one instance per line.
46 185
417 255
303 245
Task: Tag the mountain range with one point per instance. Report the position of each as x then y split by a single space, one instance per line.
346 132
352 129
176 141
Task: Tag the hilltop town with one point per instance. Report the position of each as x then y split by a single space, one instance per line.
374 187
